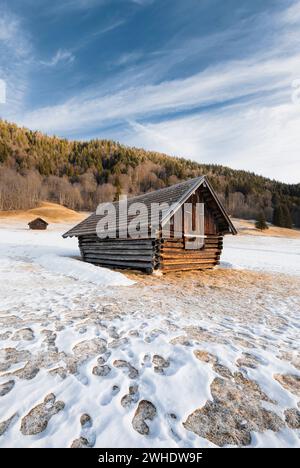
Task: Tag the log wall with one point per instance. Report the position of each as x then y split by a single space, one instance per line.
172 255
136 254
150 254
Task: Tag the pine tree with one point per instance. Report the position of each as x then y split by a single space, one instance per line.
261 223
287 219
282 216
278 216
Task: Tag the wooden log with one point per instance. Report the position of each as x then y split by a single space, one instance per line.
116 240
188 257
123 264
137 258
134 252
207 240
175 250
174 245
118 246
186 268
189 262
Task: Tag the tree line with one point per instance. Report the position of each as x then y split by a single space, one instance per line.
81 174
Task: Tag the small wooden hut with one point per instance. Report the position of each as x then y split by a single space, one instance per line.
156 251
38 224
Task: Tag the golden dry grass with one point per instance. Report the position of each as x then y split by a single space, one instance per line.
247 228
50 212
221 279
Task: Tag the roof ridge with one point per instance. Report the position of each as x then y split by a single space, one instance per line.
163 188
175 195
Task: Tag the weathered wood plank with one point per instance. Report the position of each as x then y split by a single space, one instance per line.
186 268
187 257
137 258
124 264
117 249
190 261
134 252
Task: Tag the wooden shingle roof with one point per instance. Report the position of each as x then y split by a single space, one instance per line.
38 220
174 196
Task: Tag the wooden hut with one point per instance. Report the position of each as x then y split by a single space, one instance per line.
156 250
38 223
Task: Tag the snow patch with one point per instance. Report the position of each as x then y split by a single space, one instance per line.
82 271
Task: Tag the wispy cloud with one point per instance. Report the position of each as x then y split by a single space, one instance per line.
61 56
292 14
15 59
264 139
128 58
142 2
237 112
2 92
214 86
77 4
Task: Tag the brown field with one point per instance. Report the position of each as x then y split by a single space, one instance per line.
51 212
247 228
55 213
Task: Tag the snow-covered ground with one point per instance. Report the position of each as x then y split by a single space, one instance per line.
91 357
275 254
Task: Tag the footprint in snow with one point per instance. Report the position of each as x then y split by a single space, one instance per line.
146 360
38 417
131 397
146 411
87 434
101 371
107 397
160 364
6 387
172 420
112 332
122 364
4 425
104 358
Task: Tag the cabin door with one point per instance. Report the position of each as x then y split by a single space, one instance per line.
193 223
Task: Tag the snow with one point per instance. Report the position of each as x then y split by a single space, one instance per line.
274 254
49 250
82 271
45 288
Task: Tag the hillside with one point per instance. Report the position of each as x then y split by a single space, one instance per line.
79 175
50 212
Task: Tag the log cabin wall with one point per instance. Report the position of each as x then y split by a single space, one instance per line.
136 254
172 256
167 251
150 254
165 254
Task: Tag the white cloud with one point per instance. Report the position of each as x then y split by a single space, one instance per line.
15 58
213 86
257 129
292 14
264 139
128 58
2 92
142 2
254 134
61 56
7 28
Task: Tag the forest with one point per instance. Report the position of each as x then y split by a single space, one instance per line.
81 174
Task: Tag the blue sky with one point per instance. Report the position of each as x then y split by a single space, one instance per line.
211 80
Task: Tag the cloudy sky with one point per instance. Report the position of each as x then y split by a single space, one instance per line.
212 80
